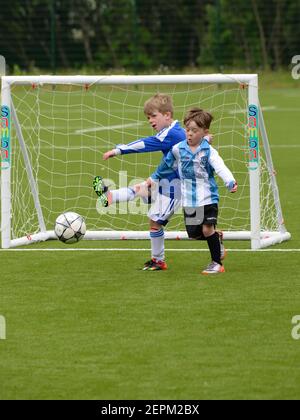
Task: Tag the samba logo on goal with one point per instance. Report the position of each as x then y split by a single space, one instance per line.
253 137
5 137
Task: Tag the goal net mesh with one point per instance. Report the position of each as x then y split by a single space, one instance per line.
67 128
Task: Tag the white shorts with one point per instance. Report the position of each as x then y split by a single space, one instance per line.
164 207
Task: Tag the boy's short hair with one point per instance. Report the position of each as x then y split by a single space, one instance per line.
159 102
202 118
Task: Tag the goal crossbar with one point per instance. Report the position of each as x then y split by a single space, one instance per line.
134 80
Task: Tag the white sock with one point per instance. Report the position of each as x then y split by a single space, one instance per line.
121 195
158 244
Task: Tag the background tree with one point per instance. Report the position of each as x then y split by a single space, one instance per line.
142 35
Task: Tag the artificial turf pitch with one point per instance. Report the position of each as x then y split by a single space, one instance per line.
92 325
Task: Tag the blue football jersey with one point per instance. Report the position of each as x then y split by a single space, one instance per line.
161 142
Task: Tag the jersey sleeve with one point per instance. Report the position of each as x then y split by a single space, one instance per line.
220 168
145 145
168 165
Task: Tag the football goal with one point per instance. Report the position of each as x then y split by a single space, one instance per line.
55 130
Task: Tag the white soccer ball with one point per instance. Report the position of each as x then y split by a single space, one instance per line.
70 227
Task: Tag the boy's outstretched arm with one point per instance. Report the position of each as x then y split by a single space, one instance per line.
145 145
110 154
222 171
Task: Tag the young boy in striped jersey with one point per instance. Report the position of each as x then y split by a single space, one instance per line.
196 161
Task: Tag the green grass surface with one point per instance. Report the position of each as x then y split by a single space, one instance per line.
102 329
93 325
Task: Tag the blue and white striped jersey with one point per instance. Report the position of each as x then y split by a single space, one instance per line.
161 142
196 171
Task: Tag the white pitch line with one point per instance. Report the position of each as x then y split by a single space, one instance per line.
140 250
285 146
109 127
266 109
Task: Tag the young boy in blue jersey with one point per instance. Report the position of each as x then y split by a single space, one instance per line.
196 161
159 112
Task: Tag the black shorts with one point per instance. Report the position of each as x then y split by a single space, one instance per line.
196 217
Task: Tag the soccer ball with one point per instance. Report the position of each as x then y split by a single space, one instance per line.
70 227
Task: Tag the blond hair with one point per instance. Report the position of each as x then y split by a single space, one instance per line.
202 118
159 102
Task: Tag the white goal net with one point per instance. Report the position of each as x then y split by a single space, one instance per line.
59 132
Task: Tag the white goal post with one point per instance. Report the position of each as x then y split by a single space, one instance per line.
52 127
